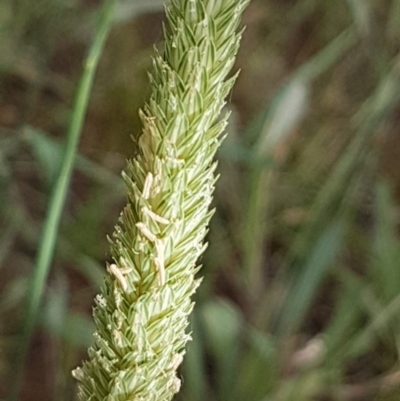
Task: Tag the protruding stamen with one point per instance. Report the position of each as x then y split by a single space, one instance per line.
114 270
159 261
147 186
155 216
146 231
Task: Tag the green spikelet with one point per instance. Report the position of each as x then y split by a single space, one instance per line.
142 311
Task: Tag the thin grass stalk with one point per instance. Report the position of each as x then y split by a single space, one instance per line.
58 195
142 311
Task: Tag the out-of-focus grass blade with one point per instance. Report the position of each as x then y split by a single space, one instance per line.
68 331
194 373
346 318
383 286
332 197
126 9
73 328
362 15
344 338
301 294
329 55
8 232
12 296
258 367
375 109
285 113
371 36
259 128
367 338
302 387
49 236
222 325
385 269
49 153
278 122
393 26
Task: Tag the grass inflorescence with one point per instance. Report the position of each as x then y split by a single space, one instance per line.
142 312
299 298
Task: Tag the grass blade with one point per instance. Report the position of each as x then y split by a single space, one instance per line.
58 196
332 197
278 122
321 258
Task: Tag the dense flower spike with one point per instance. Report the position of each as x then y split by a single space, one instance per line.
142 311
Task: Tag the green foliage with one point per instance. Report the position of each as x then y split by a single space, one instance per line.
59 192
300 295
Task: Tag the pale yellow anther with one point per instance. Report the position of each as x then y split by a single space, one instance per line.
118 337
146 231
118 273
161 271
154 216
78 374
147 186
177 359
159 261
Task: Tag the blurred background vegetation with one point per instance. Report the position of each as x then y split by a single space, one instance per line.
301 293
